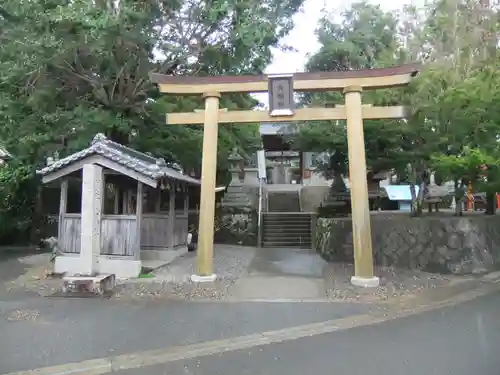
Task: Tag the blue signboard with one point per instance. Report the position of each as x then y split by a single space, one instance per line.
399 192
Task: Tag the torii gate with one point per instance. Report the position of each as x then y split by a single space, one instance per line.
281 88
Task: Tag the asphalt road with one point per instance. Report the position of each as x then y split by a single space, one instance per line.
464 339
59 331
460 340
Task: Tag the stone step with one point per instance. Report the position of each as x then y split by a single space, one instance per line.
278 236
281 215
88 285
286 231
291 223
294 239
236 189
287 218
305 245
288 226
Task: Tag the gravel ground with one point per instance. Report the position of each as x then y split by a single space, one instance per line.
33 278
394 282
35 281
230 264
174 279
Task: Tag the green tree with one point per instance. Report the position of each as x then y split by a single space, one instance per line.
470 106
70 69
366 37
456 42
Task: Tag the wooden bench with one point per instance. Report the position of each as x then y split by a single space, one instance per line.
479 200
433 201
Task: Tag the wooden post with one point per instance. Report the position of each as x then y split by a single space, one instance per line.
158 200
361 230
63 201
204 254
171 215
116 202
186 200
186 212
124 202
138 218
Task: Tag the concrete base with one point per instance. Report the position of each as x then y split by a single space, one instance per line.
167 255
122 267
203 279
98 284
365 282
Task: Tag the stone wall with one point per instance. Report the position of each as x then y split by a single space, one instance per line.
444 244
232 226
236 227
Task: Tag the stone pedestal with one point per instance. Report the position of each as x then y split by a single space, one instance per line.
338 202
279 174
236 196
85 285
251 177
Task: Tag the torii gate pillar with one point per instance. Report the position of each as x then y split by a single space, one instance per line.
361 230
204 263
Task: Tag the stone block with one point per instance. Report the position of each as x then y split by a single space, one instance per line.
97 285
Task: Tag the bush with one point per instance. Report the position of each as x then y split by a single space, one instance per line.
17 194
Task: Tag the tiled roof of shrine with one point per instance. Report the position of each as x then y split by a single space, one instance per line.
147 165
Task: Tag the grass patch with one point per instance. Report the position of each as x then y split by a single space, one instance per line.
146 273
146 276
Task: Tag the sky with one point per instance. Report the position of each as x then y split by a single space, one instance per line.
303 37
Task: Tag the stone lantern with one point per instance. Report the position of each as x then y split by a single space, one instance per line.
236 198
235 166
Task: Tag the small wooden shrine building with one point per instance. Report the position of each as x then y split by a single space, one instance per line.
131 204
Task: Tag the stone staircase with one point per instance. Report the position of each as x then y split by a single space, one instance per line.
286 229
284 225
283 201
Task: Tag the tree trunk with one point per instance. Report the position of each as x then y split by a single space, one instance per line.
37 216
416 199
459 196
